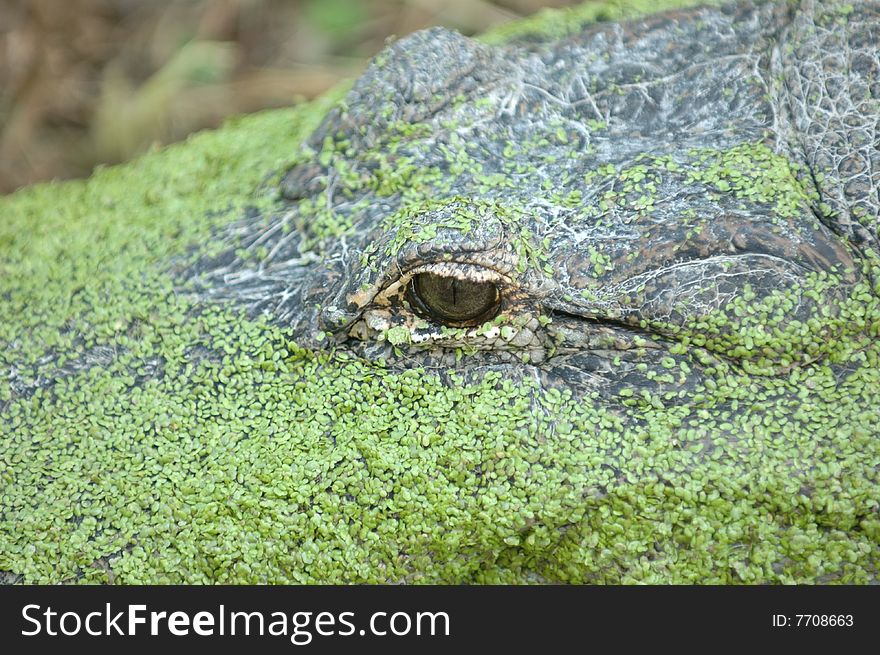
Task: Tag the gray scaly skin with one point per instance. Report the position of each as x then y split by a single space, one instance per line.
619 188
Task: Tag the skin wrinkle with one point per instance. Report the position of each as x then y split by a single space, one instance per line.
207 377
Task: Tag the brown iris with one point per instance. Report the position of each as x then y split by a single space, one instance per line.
453 302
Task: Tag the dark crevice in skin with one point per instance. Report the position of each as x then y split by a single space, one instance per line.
657 340
616 324
814 207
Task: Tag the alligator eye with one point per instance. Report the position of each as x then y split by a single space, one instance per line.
453 302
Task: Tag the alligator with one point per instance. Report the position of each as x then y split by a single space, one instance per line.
577 301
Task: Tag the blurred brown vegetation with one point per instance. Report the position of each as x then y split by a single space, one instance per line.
84 82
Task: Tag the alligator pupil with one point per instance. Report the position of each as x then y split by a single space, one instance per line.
452 301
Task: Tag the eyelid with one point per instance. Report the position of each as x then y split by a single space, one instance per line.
461 271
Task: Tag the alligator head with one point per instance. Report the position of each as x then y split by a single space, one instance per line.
598 213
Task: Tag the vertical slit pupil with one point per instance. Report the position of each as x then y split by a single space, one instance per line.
453 301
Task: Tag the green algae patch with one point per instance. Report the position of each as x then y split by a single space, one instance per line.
215 450
462 216
209 448
754 172
549 24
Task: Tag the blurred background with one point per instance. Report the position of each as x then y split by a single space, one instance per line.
84 82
